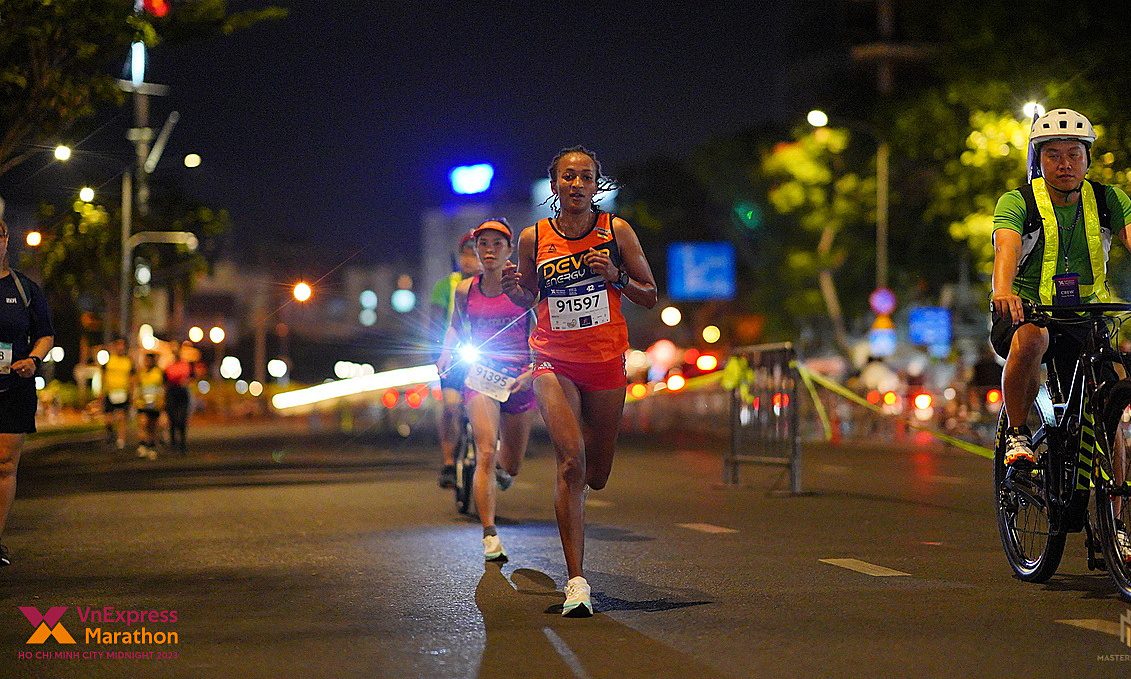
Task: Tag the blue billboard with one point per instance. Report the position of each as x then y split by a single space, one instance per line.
701 271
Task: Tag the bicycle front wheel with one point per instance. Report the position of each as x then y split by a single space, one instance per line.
465 469
1113 490
1033 542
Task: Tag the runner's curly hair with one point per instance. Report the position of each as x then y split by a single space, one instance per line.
604 182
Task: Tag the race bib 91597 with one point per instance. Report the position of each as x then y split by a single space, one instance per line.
578 307
5 358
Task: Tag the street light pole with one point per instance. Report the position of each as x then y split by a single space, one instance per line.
123 280
882 158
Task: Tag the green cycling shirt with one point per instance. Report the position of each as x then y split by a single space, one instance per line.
1010 214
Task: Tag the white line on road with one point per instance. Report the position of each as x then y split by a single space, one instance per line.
598 503
706 528
1105 626
566 653
863 567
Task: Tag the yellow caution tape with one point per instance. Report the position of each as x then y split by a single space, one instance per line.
809 376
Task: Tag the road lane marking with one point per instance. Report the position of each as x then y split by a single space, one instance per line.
706 528
566 653
864 567
1105 626
592 502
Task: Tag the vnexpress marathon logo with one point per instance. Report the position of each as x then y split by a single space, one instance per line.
108 633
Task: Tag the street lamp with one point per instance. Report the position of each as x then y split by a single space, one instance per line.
818 118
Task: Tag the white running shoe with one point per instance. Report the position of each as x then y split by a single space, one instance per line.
577 602
493 549
1018 448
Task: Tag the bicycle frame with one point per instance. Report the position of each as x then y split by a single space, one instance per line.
1077 413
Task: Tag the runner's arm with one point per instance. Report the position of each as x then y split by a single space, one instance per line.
1007 253
452 335
520 282
641 288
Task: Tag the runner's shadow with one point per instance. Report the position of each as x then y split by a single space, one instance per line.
527 636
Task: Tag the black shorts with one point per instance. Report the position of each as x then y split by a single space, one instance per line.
1065 345
18 403
455 377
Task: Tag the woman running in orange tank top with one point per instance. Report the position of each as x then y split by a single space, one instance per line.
579 340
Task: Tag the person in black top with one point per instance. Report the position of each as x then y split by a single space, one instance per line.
26 336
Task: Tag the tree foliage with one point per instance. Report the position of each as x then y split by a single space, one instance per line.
58 57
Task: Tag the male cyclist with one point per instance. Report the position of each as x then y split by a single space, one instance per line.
1057 224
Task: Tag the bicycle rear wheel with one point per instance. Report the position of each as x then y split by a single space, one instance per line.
1033 541
1113 490
465 468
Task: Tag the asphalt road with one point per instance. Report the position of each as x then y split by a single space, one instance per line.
328 555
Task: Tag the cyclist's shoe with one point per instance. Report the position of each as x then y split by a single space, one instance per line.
1123 541
577 602
5 560
493 549
448 476
1019 448
504 479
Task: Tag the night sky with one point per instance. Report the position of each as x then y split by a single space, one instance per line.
335 127
342 120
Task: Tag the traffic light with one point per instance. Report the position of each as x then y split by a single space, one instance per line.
749 214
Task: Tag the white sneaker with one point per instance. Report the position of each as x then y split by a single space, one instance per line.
1018 448
577 602
493 549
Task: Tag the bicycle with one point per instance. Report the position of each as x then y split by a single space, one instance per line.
1074 420
465 465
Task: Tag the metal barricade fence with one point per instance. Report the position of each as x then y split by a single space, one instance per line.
764 410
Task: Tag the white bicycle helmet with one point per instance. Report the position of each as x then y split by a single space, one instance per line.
1061 124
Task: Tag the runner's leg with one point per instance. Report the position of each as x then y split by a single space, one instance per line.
513 439
483 411
560 403
10 445
600 421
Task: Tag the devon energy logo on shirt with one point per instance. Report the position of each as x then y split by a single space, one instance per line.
570 269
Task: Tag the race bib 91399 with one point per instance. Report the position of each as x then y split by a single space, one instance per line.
5 358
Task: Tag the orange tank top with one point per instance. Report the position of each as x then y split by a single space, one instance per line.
579 316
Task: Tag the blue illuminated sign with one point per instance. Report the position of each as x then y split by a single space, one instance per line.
701 271
471 179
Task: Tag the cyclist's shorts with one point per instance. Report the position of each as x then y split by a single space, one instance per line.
455 377
1065 345
519 401
587 376
1065 342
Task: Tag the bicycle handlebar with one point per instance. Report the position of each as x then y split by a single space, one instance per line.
1042 315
